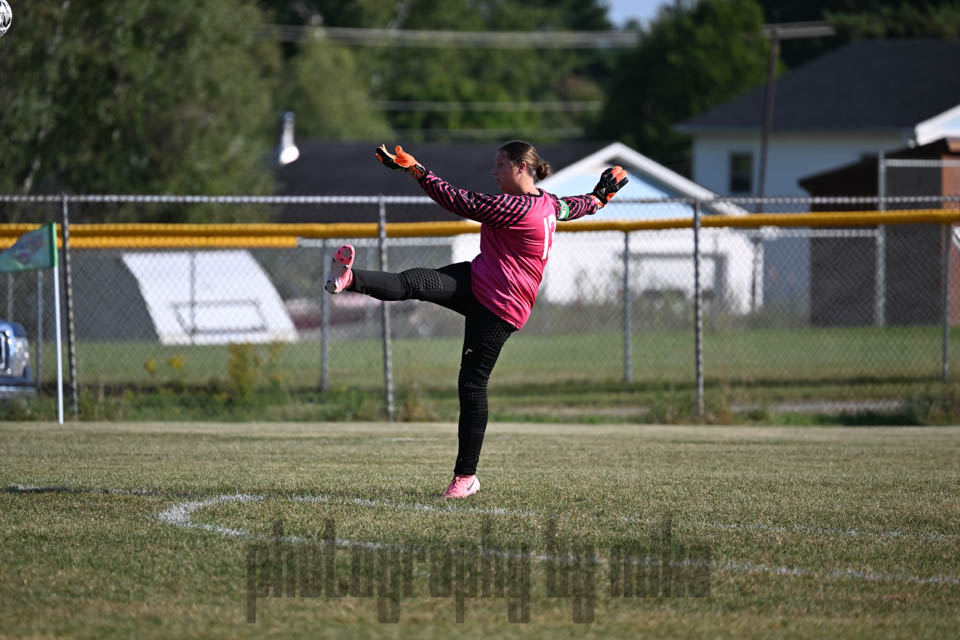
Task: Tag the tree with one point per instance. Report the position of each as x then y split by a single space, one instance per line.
871 18
508 75
329 96
139 96
693 57
460 75
924 19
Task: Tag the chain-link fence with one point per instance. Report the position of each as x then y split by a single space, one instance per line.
676 319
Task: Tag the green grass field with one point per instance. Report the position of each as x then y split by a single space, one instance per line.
166 529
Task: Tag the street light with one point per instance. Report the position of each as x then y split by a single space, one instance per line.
287 151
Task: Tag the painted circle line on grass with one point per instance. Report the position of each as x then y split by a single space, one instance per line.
181 515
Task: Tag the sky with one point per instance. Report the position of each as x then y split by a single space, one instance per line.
642 10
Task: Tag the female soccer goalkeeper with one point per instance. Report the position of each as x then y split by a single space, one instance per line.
496 291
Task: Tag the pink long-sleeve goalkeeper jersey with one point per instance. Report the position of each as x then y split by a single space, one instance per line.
516 234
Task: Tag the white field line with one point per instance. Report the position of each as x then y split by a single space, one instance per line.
180 515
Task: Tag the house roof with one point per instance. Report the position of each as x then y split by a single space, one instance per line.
866 85
350 168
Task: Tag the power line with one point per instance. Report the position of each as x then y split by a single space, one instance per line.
458 39
482 134
572 106
795 30
505 39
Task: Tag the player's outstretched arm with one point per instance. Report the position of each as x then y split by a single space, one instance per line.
496 210
611 181
401 161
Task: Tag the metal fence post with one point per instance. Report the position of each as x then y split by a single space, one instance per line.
697 308
68 299
38 374
193 296
947 244
881 259
627 325
324 326
756 274
385 315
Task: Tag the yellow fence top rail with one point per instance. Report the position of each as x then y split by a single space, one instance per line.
273 235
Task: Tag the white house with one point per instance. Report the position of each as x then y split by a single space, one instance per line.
866 97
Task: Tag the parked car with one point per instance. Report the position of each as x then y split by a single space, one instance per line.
14 354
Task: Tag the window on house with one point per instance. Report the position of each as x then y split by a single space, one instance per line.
741 172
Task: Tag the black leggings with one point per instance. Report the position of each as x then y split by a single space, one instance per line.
483 336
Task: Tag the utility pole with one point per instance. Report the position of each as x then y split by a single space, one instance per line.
775 33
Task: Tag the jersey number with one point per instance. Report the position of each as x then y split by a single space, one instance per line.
549 227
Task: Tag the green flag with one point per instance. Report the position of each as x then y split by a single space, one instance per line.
34 250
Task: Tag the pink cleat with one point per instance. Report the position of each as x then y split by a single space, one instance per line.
341 269
462 486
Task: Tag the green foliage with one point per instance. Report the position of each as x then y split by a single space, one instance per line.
935 405
415 406
332 13
175 373
483 75
330 97
443 74
241 371
137 96
902 20
693 58
247 366
588 15
874 18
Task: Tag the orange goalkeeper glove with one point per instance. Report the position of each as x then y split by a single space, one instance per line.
402 161
611 181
